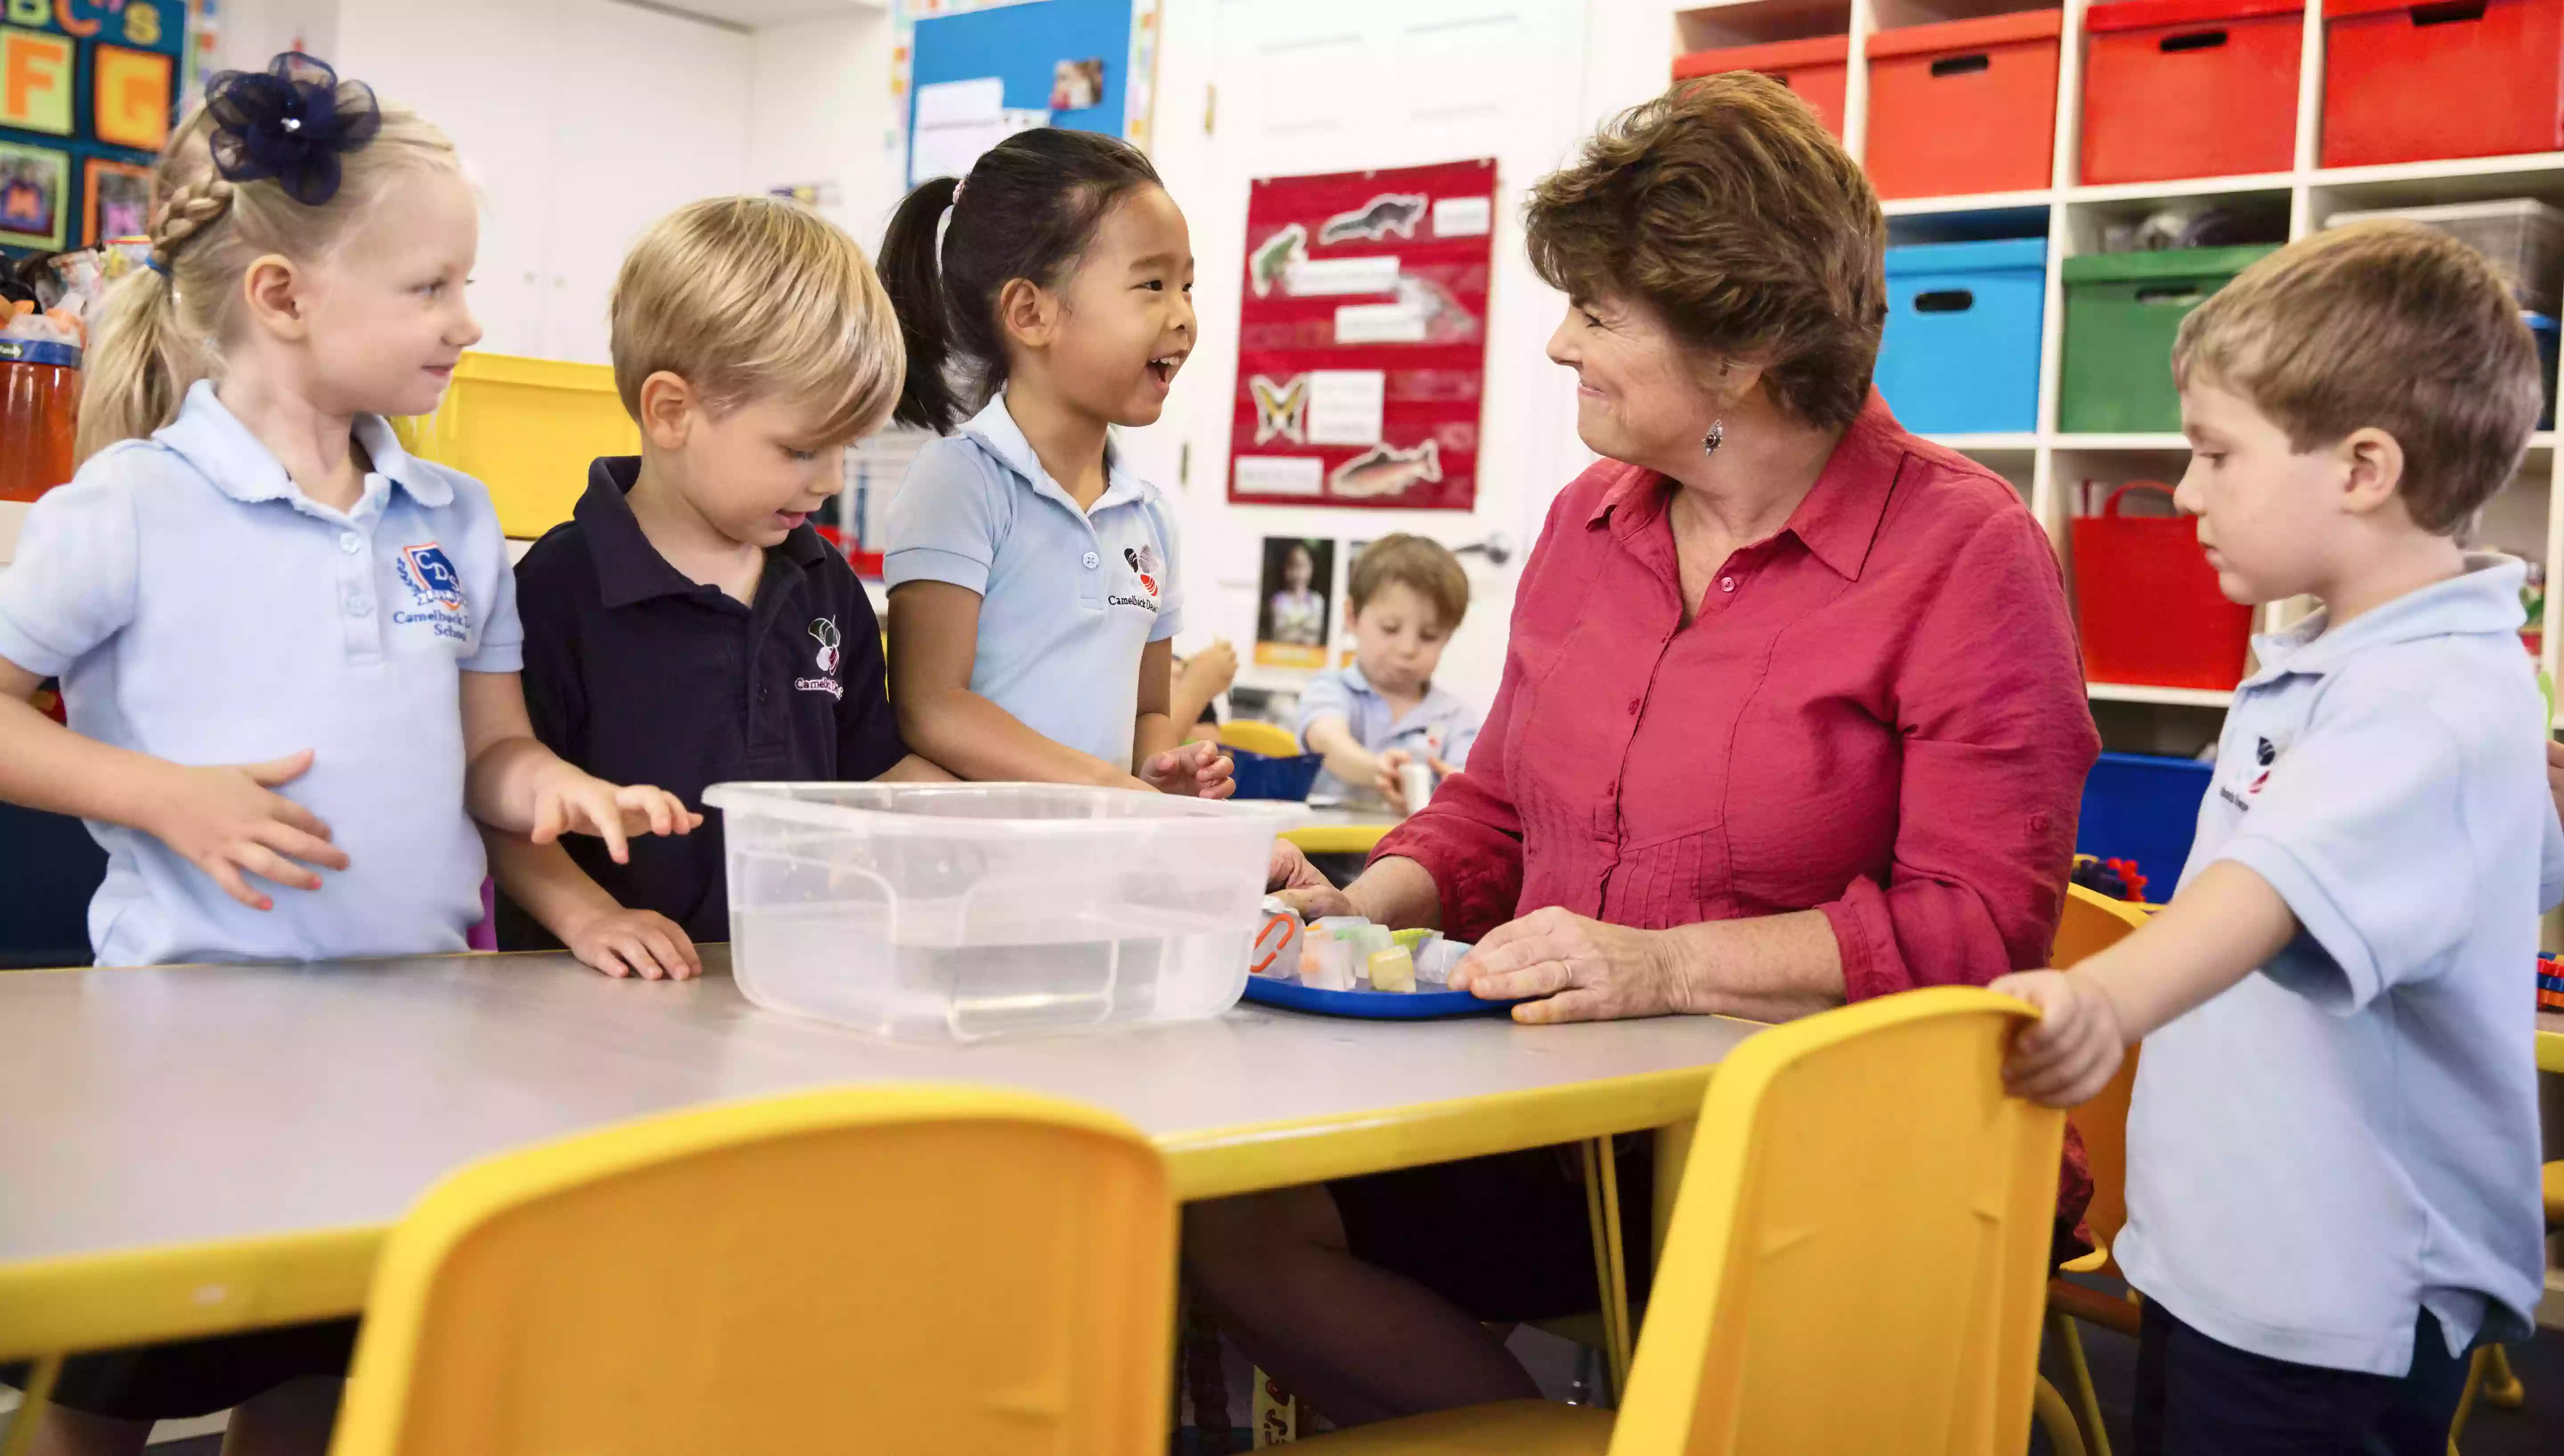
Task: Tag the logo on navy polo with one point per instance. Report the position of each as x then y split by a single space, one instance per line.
831 652
435 591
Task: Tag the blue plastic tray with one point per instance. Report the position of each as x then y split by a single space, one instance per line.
1371 1005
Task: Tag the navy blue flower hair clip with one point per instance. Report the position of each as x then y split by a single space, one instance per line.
290 122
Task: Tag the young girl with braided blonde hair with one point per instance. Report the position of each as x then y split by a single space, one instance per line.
289 649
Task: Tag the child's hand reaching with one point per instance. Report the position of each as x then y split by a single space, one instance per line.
638 943
1196 770
228 821
2072 1052
1210 671
1393 788
568 801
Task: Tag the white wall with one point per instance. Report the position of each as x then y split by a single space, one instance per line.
820 111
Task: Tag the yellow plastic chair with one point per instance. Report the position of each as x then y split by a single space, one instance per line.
1269 738
884 1269
1859 1168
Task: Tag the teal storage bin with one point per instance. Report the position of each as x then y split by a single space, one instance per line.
1961 355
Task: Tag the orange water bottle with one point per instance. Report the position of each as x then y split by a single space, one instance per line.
39 384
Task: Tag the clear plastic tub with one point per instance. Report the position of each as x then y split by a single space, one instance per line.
956 911
2522 238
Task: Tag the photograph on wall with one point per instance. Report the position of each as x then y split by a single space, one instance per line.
34 182
1295 592
1077 85
117 200
1361 339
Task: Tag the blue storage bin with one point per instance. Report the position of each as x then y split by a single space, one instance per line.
1961 355
2140 807
2544 330
1269 776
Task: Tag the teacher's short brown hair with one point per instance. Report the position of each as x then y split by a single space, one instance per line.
1725 206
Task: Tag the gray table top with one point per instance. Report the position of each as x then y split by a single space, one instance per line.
181 1106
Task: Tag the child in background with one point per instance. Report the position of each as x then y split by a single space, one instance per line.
1299 614
1404 599
287 645
2332 1155
1034 586
688 625
1199 679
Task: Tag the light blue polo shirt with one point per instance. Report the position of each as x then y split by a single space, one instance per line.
1068 598
2349 1134
1442 726
200 609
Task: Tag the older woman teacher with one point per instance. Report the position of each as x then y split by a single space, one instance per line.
1792 715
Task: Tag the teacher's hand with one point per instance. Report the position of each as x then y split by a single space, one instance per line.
1588 970
1301 886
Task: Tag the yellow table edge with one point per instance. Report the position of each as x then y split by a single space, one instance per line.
140 1296
2550 1052
1338 838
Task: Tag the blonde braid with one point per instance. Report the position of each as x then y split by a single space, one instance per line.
190 209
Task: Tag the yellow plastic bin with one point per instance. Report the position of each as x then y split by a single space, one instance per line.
527 429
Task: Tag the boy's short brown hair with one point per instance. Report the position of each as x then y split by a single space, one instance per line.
2387 325
755 298
1413 561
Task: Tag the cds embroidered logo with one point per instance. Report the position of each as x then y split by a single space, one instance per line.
435 591
430 575
831 650
1143 561
2264 754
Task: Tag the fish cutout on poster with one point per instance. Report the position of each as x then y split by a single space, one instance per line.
1382 471
1275 256
1281 409
1391 212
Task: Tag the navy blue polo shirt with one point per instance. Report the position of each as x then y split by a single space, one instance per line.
639 675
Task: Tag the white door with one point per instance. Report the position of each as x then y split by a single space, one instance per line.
1328 85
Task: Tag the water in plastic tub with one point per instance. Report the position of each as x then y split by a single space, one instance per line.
956 911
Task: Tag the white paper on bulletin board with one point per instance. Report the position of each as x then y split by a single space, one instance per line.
1346 406
957 122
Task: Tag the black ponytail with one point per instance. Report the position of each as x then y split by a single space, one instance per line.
1028 209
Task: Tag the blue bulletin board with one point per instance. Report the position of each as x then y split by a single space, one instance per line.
1023 44
77 77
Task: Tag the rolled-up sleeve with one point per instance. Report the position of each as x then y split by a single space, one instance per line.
1471 837
1996 737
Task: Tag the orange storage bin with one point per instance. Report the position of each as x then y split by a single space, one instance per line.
1816 69
2146 602
2407 83
2190 89
1968 106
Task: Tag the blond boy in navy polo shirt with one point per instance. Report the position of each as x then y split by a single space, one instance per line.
2333 1152
687 616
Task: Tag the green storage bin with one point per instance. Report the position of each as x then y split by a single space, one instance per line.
2121 313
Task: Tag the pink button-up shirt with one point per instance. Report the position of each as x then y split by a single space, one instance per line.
1877 712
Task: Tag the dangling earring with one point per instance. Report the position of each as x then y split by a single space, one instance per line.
1717 435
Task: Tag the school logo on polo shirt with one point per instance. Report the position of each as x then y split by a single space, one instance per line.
831 648
1145 565
435 591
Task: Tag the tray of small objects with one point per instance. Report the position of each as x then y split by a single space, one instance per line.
1344 965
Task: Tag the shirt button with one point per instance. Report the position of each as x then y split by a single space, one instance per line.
351 543
1091 560
359 605
1727 583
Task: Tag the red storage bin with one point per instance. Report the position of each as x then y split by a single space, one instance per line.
1815 69
2147 604
1968 106
2190 89
2407 83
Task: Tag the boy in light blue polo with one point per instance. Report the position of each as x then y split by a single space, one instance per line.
1072 601
2333 1152
1403 598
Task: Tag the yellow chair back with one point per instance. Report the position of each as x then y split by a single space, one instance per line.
886 1269
1271 740
2093 922
528 429
1861 1167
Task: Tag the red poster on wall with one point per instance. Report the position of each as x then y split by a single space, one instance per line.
1362 346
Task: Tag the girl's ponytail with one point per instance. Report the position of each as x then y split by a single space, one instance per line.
914 277
143 358
1028 210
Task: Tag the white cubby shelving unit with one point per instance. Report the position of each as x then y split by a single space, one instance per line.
2048 465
